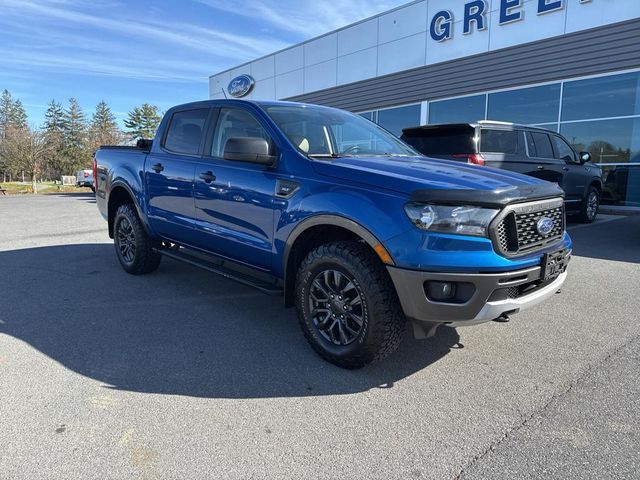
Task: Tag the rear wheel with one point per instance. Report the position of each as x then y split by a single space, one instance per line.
134 248
347 306
590 206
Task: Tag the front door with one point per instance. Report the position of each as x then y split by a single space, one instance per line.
169 173
574 179
235 200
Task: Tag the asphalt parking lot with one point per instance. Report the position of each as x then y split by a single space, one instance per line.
182 374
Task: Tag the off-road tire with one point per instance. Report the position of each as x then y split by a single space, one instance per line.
587 215
143 258
383 320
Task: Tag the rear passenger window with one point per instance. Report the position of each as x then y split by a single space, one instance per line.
185 131
542 144
499 141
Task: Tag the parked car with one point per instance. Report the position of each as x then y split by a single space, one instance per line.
533 151
84 178
341 218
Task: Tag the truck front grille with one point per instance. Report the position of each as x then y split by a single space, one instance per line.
515 231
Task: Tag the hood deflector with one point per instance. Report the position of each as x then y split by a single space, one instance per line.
488 198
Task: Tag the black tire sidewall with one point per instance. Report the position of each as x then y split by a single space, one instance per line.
125 213
584 217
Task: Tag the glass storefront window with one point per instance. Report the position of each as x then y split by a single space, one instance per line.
525 105
603 97
395 119
367 115
611 141
458 110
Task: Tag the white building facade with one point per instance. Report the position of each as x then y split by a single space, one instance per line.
572 66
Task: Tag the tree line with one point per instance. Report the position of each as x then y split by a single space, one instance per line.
67 139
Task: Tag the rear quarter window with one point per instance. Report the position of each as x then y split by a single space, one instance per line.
499 141
441 142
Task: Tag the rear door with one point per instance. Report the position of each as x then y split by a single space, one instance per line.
544 164
169 175
235 200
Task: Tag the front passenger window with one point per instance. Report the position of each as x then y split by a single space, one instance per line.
235 123
562 150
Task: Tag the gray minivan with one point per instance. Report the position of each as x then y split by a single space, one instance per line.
529 150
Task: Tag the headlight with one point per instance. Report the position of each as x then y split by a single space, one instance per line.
461 220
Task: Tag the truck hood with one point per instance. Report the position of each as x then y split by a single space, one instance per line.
427 179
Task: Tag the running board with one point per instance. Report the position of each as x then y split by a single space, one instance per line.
269 288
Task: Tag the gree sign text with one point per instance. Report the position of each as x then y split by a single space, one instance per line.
475 16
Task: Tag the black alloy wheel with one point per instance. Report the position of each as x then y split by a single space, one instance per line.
336 307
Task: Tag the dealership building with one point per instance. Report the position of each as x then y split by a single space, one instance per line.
571 66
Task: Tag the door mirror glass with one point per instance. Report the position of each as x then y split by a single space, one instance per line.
248 149
585 157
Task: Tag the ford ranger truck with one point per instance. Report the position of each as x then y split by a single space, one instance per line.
349 224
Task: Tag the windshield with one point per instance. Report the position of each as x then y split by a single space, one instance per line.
328 132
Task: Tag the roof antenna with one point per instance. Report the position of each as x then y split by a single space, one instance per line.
224 93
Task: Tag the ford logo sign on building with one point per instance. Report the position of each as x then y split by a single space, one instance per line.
545 226
240 86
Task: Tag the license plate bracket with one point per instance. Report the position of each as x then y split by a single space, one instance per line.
554 264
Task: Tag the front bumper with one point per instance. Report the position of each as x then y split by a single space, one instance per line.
492 294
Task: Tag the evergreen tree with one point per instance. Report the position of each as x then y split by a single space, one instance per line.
12 113
53 129
104 128
18 116
74 139
143 121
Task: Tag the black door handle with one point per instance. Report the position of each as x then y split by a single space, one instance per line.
208 176
157 167
540 167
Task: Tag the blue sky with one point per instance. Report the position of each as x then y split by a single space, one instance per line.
162 52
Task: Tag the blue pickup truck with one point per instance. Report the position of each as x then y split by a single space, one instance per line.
349 224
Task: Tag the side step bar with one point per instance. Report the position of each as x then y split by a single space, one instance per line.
270 288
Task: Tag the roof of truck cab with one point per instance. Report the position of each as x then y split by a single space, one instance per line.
473 125
236 101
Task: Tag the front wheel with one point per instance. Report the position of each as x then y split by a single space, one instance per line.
347 306
590 206
134 248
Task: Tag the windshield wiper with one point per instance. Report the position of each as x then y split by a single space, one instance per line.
329 155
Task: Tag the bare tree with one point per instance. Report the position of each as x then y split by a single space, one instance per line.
26 149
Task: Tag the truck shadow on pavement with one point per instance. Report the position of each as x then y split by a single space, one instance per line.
617 240
179 331
87 196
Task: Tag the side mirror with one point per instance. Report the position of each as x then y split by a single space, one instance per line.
584 157
249 149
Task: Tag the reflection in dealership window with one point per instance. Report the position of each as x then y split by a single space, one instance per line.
458 110
602 97
525 105
611 141
395 119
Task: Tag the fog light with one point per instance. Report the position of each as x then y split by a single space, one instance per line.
441 290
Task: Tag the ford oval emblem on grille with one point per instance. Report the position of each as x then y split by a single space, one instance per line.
240 86
544 226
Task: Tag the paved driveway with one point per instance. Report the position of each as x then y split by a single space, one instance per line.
181 374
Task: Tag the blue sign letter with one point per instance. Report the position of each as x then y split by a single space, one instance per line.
506 15
545 6
441 26
474 12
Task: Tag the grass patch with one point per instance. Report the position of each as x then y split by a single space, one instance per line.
19 188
